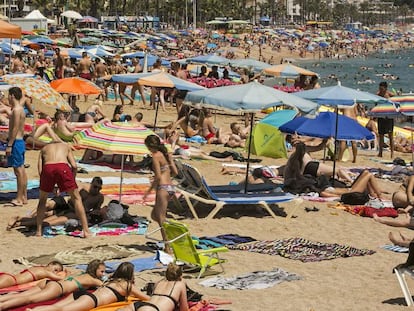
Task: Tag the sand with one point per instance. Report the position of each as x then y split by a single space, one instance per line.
356 283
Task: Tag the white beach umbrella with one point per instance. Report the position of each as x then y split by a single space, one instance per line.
71 14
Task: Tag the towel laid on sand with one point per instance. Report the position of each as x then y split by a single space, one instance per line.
140 264
80 256
253 280
11 185
302 249
395 248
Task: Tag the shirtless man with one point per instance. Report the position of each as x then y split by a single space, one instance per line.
385 125
101 71
62 128
85 68
59 63
16 146
17 65
57 165
351 113
137 69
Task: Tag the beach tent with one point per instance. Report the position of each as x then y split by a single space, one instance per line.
36 14
8 30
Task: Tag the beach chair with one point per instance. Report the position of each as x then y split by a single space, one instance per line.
179 239
400 274
220 196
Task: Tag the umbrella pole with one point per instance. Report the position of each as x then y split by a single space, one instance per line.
248 152
156 115
122 177
34 128
335 145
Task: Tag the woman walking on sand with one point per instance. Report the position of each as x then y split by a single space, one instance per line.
163 166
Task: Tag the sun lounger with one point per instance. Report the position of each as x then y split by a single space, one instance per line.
200 191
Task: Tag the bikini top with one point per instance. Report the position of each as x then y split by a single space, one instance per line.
118 296
73 278
176 304
164 168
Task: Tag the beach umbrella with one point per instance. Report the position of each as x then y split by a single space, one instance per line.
288 70
163 79
385 110
251 97
40 90
249 63
75 85
88 19
71 14
279 117
209 59
99 51
405 104
116 138
129 78
340 96
324 126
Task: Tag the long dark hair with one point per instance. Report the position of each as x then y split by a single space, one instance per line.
117 110
154 142
295 162
93 267
124 272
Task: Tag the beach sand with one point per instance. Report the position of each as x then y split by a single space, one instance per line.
355 283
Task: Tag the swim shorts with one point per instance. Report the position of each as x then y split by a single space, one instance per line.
16 158
311 168
85 75
57 173
385 126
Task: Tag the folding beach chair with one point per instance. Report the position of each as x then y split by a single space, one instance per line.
219 196
179 239
403 269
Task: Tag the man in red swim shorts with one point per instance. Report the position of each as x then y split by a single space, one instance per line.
57 166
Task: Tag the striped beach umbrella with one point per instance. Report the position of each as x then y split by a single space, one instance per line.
40 90
406 104
115 138
385 110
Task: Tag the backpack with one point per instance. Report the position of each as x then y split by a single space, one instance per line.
355 198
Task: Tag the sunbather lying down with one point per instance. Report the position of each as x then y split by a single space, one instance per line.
264 174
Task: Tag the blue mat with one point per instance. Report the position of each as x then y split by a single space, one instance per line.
140 264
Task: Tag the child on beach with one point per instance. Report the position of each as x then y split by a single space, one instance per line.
168 295
116 289
163 166
52 289
49 271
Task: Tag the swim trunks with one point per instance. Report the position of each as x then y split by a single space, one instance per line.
16 158
385 126
86 76
57 173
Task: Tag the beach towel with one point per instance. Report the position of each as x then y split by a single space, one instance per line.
109 167
115 180
7 176
19 287
37 304
302 249
395 248
11 185
134 198
139 229
253 280
31 194
80 256
140 264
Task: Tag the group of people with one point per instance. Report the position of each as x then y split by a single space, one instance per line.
92 288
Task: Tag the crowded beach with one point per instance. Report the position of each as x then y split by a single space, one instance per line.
313 225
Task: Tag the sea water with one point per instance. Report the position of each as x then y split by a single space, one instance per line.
365 73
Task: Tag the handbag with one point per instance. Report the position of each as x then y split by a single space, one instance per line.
355 198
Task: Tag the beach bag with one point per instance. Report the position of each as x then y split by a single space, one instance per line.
355 198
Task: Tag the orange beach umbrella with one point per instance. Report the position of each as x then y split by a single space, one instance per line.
75 85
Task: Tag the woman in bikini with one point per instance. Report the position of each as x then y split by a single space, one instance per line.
163 166
50 271
116 289
169 294
51 289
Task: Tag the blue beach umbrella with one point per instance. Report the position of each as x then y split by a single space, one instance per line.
324 126
209 59
129 78
249 63
279 117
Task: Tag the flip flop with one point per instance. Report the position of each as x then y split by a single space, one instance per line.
13 204
313 209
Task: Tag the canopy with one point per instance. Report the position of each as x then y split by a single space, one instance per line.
288 71
71 14
36 14
8 30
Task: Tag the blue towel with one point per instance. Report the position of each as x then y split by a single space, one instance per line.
140 264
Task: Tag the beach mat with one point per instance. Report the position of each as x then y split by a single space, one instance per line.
302 249
395 248
11 185
19 287
252 280
115 180
31 194
37 304
121 229
109 167
80 256
115 305
140 264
